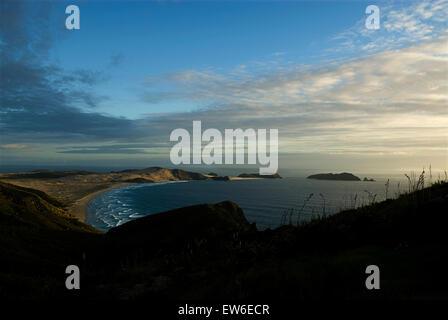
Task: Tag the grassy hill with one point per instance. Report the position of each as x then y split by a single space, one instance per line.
211 251
70 186
37 239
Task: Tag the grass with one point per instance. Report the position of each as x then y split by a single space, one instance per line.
415 183
212 252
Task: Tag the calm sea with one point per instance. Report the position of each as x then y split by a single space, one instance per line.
264 201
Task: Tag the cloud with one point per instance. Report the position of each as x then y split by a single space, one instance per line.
413 76
13 146
136 148
39 101
391 98
278 53
376 103
400 26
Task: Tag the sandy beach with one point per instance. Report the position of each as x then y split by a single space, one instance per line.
74 189
79 208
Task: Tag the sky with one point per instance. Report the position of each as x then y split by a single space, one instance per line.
343 96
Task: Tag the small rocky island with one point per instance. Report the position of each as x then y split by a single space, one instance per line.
257 175
344 176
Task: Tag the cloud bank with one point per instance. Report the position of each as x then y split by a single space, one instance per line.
390 100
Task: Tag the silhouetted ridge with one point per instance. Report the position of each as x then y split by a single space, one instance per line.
174 228
211 251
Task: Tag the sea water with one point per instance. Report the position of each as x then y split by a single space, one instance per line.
267 202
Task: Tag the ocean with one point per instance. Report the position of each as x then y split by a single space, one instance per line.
267 202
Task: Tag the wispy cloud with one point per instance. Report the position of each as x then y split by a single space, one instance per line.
13 146
376 103
402 24
134 148
389 78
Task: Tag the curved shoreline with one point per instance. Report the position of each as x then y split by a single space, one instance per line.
79 208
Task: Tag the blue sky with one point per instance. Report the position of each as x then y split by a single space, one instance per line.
110 93
155 38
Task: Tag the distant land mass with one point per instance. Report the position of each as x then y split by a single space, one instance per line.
257 175
344 176
73 189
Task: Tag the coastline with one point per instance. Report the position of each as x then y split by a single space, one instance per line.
79 208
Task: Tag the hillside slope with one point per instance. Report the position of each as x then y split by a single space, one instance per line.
69 186
212 252
38 239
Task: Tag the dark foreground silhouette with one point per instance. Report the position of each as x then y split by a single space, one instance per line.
212 252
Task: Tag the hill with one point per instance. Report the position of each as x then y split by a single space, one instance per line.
72 189
34 209
38 239
211 251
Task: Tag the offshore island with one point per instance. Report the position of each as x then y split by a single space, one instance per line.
344 176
